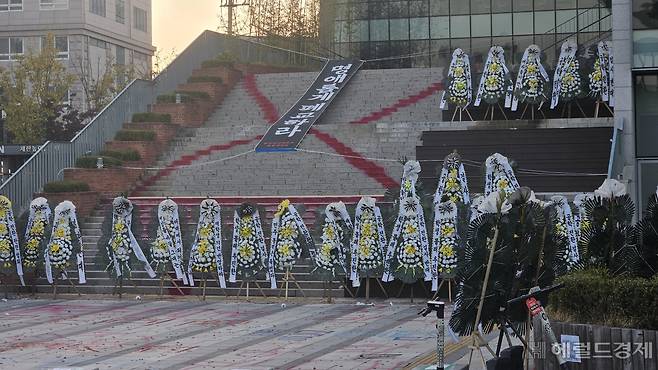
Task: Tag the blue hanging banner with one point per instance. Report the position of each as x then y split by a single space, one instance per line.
289 130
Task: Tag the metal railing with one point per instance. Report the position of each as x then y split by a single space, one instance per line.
49 162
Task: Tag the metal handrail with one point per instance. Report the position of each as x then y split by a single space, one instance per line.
49 162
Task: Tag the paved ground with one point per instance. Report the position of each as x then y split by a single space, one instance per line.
130 334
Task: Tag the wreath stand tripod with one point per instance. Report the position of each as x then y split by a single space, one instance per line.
204 284
567 107
411 294
597 106
450 281
246 282
163 274
379 282
327 292
118 287
476 339
286 278
461 110
532 111
62 273
492 108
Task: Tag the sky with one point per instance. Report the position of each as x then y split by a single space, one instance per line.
176 23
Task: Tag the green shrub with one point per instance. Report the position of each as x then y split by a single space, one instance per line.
214 79
66 186
135 135
224 59
594 296
90 162
124 155
151 117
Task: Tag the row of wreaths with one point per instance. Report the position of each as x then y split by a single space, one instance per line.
354 249
532 85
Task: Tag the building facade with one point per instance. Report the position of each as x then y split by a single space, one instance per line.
431 29
90 35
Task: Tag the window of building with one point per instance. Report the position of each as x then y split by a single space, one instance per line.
544 4
400 29
645 48
501 24
460 26
121 55
481 25
544 22
379 10
379 30
418 8
53 4
97 7
501 6
11 48
397 9
419 28
61 45
141 19
566 21
522 23
11 5
440 27
521 5
439 7
645 14
97 43
480 6
646 114
120 10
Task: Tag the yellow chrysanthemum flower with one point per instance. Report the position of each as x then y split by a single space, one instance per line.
410 229
447 230
407 185
458 71
494 67
204 232
285 249
245 251
37 228
5 246
54 248
32 244
329 232
118 227
326 249
532 68
60 232
364 250
452 184
246 231
3 228
367 230
283 206
203 246
447 250
503 184
410 249
288 231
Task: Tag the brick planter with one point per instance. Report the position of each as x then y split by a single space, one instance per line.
192 114
164 132
84 201
229 76
216 91
148 150
108 181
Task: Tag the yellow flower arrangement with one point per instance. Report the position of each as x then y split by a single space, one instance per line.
458 71
330 232
54 248
33 244
410 249
494 67
326 249
447 250
246 231
60 232
119 227
204 232
410 229
367 230
288 231
203 246
447 230
3 228
532 68
503 184
283 206
245 251
5 246
37 228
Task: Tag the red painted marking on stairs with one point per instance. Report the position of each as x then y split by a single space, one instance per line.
402 103
370 168
189 158
266 106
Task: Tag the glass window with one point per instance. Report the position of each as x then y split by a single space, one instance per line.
459 7
646 114
11 47
464 44
460 26
481 25
379 30
419 28
544 22
480 6
400 29
439 7
522 23
359 30
501 6
97 7
565 4
11 5
418 8
120 10
61 45
141 19
53 4
566 21
341 32
645 14
582 4
521 5
501 24
440 27
544 4
398 9
588 20
645 49
341 11
605 24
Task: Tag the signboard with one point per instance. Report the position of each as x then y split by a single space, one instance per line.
18 149
287 132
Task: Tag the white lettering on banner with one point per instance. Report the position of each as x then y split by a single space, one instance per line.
304 115
326 92
314 107
336 79
341 68
290 131
291 122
